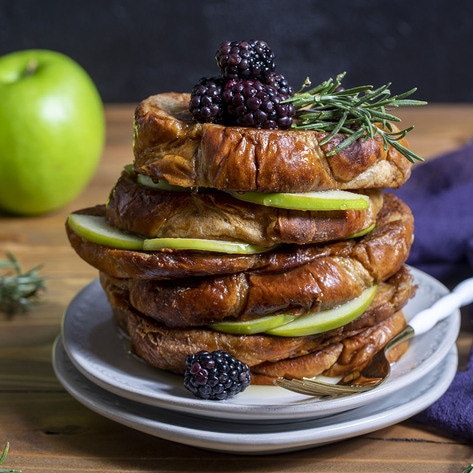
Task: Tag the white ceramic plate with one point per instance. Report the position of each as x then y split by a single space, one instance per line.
258 437
95 346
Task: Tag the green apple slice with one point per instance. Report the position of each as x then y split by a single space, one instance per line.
323 200
363 232
310 324
96 229
161 184
202 244
250 327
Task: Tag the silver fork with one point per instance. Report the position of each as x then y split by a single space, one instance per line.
379 368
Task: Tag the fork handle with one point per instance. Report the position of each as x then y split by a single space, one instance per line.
461 295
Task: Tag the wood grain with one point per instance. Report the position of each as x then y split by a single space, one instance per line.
48 430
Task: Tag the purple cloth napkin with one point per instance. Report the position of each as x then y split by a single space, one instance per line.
452 414
440 195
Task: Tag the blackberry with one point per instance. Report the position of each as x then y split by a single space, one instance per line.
216 375
251 103
205 101
245 59
280 83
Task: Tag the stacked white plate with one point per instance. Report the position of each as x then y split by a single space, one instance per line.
93 362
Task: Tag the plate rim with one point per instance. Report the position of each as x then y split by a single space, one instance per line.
304 435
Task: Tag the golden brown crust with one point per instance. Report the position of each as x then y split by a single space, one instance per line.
217 215
169 144
340 350
385 248
203 301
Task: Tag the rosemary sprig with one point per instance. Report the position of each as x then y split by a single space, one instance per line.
18 289
3 457
358 112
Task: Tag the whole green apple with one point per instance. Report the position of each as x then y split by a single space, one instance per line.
52 131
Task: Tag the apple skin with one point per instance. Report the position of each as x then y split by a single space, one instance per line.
52 131
319 322
250 327
202 244
96 229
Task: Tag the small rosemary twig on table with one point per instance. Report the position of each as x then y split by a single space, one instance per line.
3 457
18 289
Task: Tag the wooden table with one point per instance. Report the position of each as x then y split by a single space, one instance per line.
49 430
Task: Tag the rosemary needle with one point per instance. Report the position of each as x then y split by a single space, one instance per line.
18 289
358 112
3 457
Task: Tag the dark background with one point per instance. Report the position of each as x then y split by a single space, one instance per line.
133 49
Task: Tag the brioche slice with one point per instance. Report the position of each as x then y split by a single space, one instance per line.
386 247
169 144
340 349
216 215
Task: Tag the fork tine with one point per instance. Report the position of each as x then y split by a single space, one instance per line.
312 387
295 385
301 387
336 388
